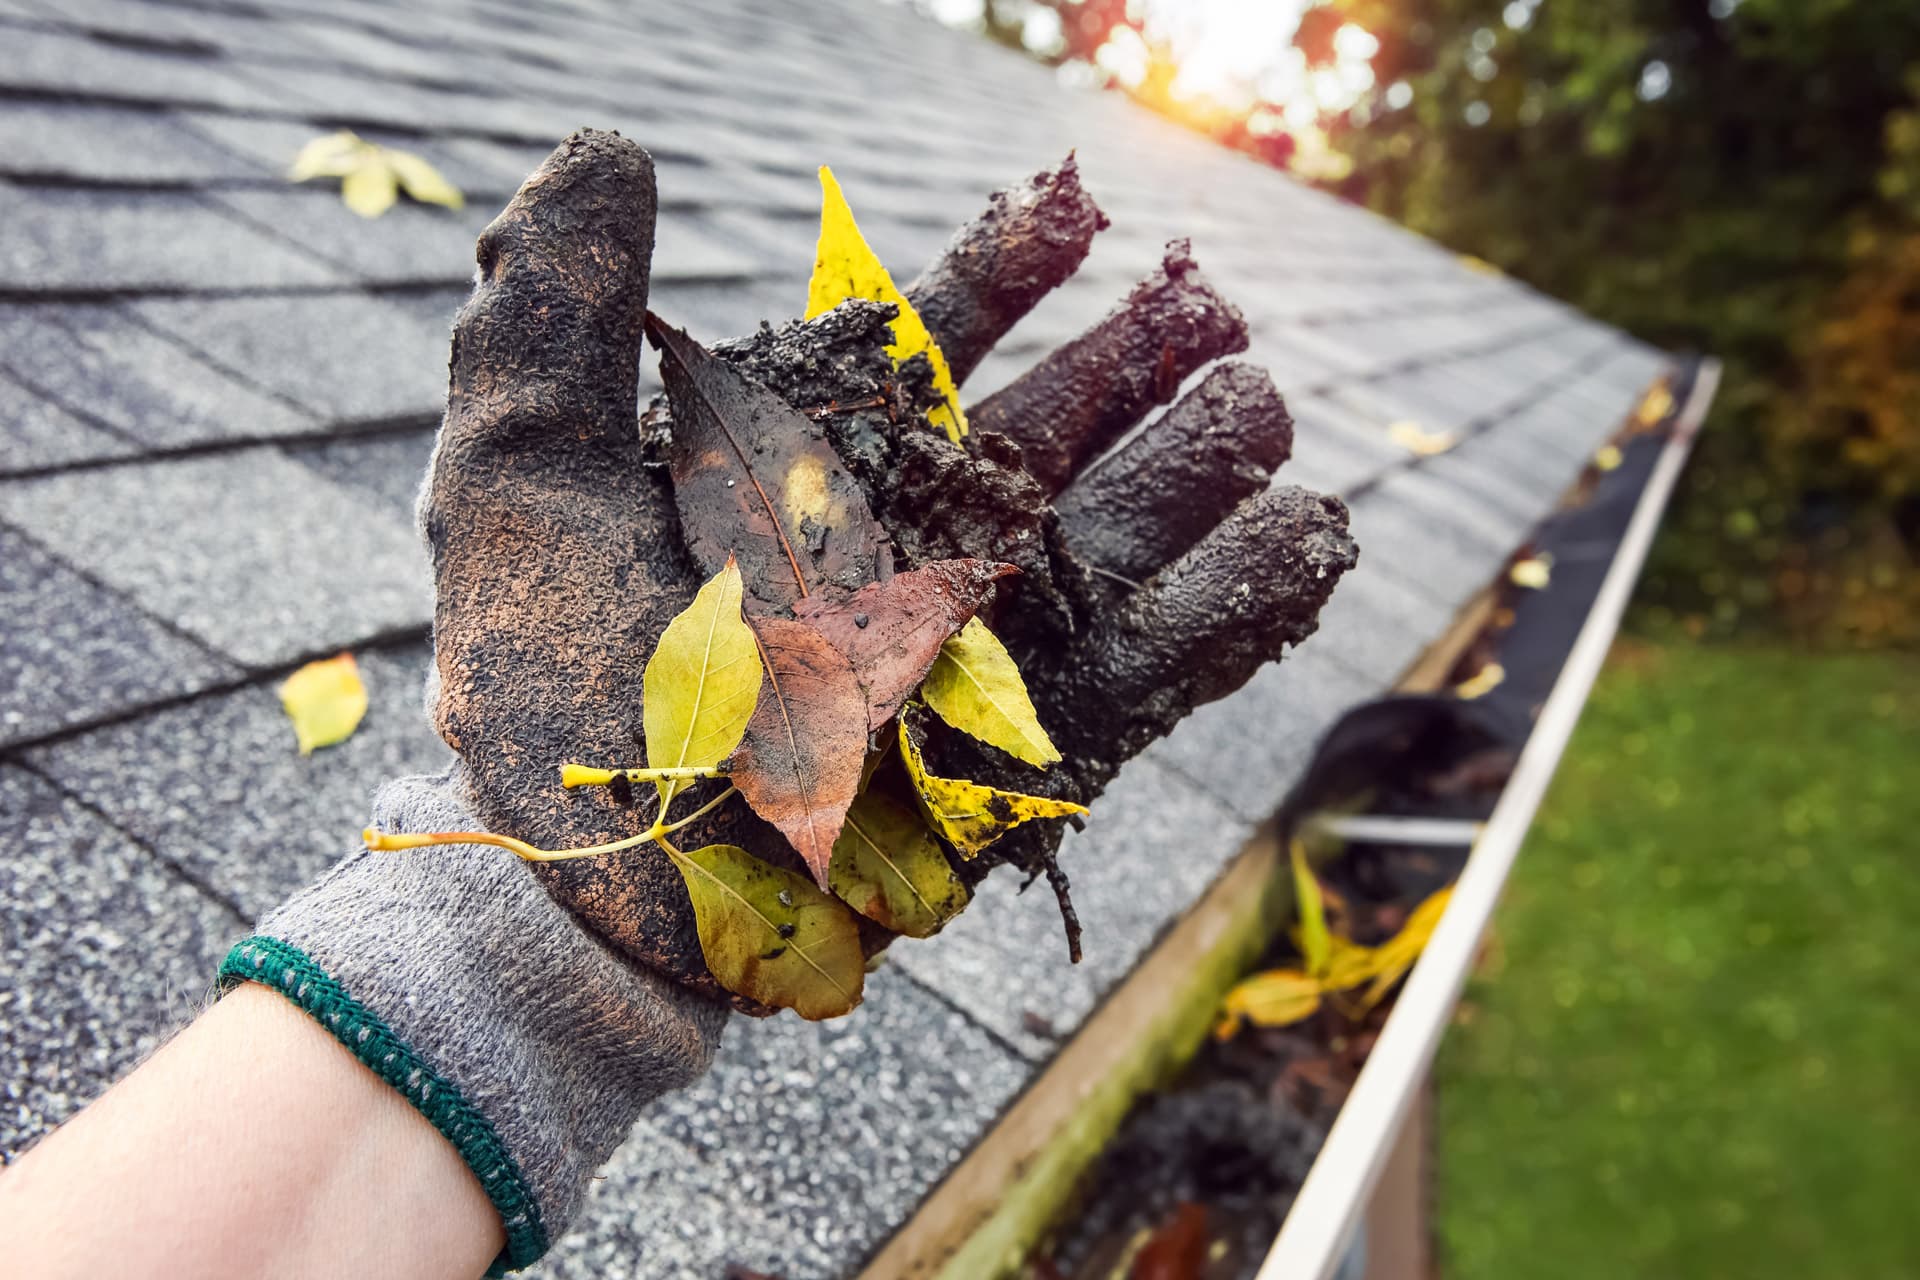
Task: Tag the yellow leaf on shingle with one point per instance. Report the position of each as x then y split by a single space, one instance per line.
1419 441
372 176
325 700
370 190
844 267
422 182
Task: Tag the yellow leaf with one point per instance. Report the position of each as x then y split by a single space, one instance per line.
1479 266
422 181
333 155
971 816
1607 458
370 190
1349 964
888 867
701 684
1396 955
1532 573
1655 405
974 686
770 935
1419 441
1316 948
325 700
1277 998
1481 682
845 267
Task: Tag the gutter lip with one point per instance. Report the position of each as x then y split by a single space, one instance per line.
1314 1237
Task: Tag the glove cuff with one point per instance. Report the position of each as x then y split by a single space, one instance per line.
285 968
456 978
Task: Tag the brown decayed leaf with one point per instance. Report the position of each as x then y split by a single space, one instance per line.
892 631
753 478
799 764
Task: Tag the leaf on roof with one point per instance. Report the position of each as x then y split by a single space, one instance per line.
372 176
889 868
753 479
1655 405
975 687
1607 457
325 700
844 267
1419 441
971 816
800 762
701 684
893 630
770 935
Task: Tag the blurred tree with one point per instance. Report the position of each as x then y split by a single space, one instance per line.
1735 176
1742 178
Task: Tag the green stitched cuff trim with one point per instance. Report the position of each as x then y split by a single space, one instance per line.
287 970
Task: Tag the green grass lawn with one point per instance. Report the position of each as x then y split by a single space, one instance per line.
1695 1050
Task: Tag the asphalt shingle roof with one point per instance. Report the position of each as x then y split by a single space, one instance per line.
217 392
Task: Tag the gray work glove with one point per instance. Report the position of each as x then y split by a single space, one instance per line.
530 1013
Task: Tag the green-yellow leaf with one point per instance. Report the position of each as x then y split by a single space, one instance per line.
889 868
1533 573
770 935
974 686
370 190
969 815
1316 947
845 267
701 684
1481 683
325 700
1277 998
422 181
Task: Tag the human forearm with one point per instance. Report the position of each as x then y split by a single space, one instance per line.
253 1144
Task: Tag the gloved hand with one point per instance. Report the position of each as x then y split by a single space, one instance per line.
1167 577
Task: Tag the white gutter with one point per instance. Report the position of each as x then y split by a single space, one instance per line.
1314 1237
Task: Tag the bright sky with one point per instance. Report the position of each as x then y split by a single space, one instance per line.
1230 53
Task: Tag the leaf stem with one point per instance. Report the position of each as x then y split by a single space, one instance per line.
386 841
659 830
580 775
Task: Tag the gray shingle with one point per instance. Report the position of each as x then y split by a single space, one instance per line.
99 361
108 144
1153 842
1245 750
345 357
1376 622
251 552
409 243
104 954
35 432
386 468
99 241
835 1130
72 652
217 786
71 65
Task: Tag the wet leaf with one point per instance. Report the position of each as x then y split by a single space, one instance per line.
971 816
845 267
1397 954
325 700
1419 441
1533 573
889 868
754 479
770 935
1481 683
1655 405
1607 457
1177 1250
372 176
701 684
1276 998
906 620
799 764
1316 947
975 687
